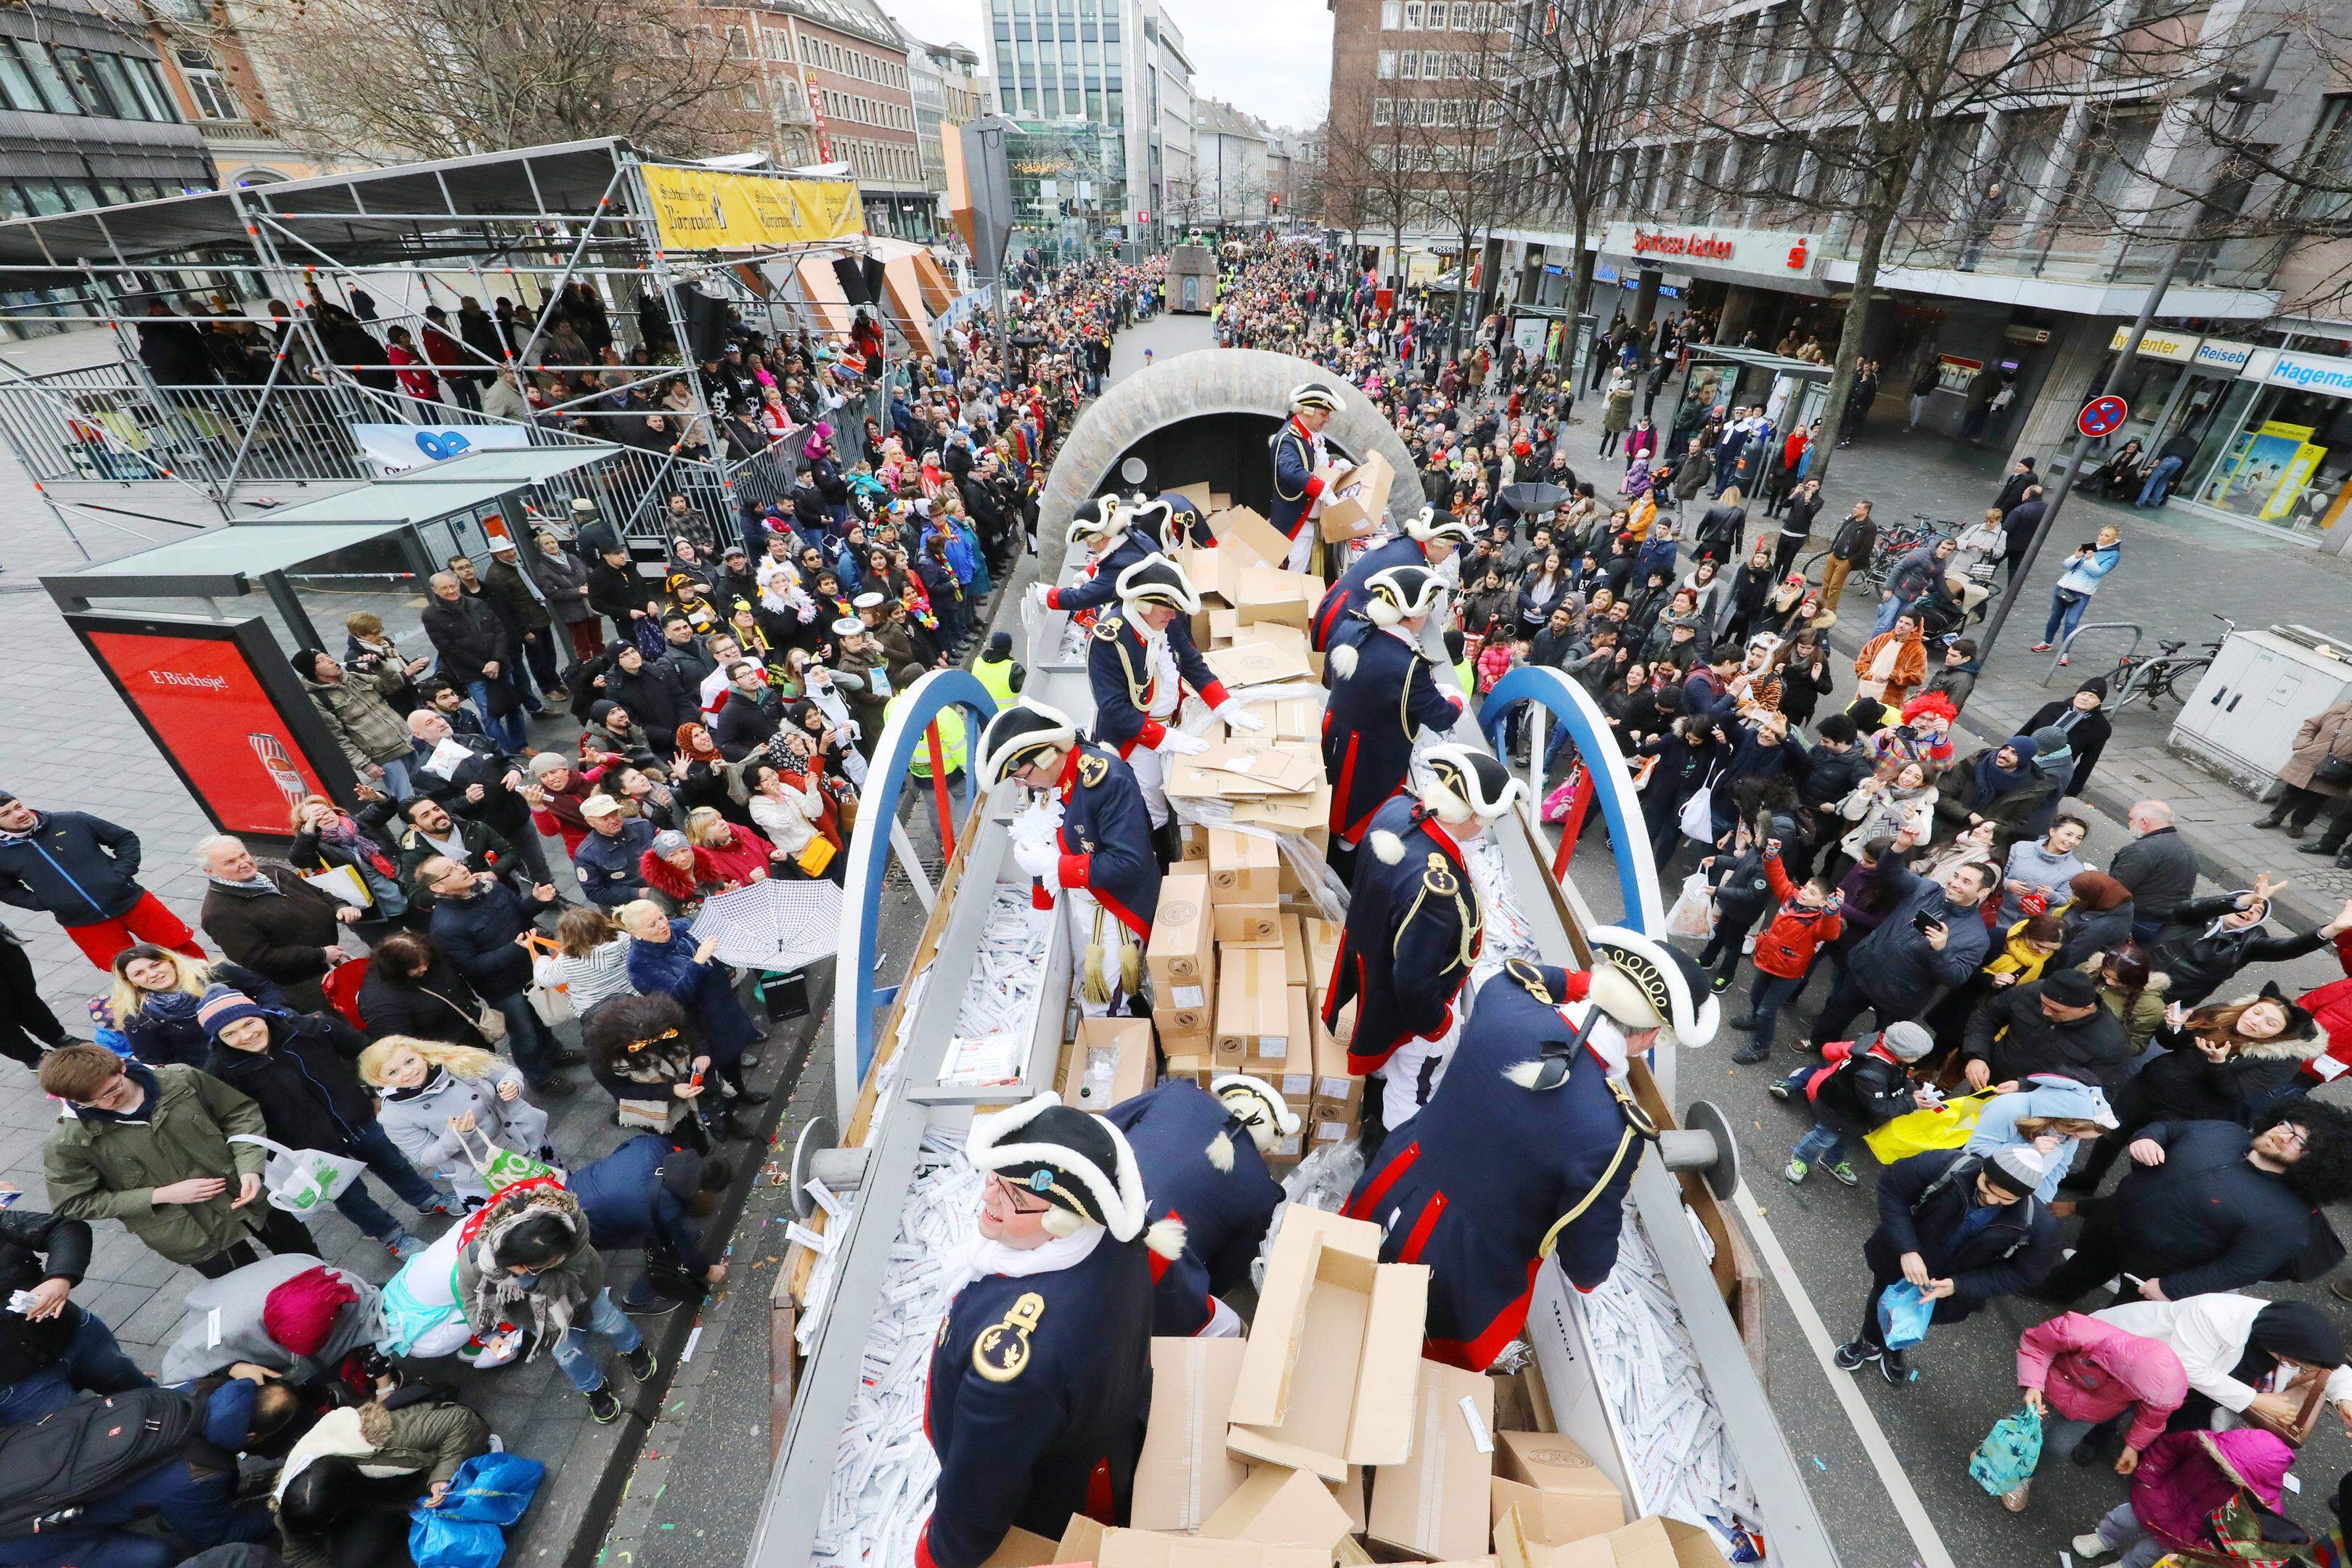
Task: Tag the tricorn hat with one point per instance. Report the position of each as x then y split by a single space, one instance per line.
1016 735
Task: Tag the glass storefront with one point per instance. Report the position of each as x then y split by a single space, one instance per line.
2275 455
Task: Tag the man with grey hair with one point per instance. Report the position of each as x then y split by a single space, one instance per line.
472 646
270 920
2158 866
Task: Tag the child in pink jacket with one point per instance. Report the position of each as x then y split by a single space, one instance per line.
2186 1478
2089 1371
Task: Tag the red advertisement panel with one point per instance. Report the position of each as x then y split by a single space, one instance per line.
204 704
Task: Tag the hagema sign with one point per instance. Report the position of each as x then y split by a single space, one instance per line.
1772 253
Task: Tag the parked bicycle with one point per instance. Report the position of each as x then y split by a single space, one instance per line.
2167 673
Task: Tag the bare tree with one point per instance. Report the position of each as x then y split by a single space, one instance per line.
430 78
1927 131
1572 102
1466 181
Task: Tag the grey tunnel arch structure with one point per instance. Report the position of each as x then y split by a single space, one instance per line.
1208 414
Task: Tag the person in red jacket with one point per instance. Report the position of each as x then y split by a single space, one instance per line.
1808 920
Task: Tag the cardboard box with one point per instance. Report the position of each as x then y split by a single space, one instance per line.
1254 540
1560 1493
1208 571
1434 1503
1359 499
1280 1506
1244 868
1150 1548
1246 925
1648 1542
1222 627
1198 1065
1023 1549
1247 768
1184 1474
1198 494
1294 951
1292 719
1350 1493
1268 593
1252 1005
1272 1055
1181 954
1108 1060
1322 939
1195 841
1329 1377
1256 660
1184 1030
1338 1094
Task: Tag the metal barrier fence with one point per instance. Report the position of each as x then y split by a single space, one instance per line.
105 426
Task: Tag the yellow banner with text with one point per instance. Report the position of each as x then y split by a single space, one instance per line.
709 209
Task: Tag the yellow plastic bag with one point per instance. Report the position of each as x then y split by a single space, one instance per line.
1946 1127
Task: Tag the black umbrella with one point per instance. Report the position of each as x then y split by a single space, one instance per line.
1533 499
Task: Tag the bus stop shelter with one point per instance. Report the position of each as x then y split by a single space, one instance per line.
1791 392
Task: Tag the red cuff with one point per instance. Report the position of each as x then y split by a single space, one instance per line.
1213 694
1040 896
1053 598
1071 870
923 1558
1314 486
1152 733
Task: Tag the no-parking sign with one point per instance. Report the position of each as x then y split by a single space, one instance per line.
2102 416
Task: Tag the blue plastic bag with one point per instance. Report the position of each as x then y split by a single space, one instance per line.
2006 1459
1903 1317
489 1492
492 1489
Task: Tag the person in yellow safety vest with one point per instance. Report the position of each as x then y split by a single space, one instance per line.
1458 654
995 669
950 723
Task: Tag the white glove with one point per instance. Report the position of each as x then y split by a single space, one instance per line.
1039 592
1177 743
1239 718
1037 860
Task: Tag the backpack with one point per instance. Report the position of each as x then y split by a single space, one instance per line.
61 1462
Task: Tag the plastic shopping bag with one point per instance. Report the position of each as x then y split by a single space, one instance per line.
302 1181
1903 1317
502 1168
2005 1461
492 1489
1697 818
1947 1126
1693 912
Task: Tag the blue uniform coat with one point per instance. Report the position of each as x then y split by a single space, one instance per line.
1225 1213
1034 1381
1105 836
1411 937
1368 728
1340 618
1474 1184
1121 673
1100 586
1296 482
704 990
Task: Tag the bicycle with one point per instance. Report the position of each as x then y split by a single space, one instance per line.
2137 675
1896 541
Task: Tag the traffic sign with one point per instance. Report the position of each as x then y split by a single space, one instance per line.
2102 416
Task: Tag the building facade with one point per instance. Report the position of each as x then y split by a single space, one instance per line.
1229 151
1099 63
837 89
946 90
87 116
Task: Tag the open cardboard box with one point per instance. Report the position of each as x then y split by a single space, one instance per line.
1108 1060
1434 1504
1257 541
1328 1379
1149 1549
1281 1507
1198 494
1265 594
1255 659
1184 1474
1650 1541
1359 499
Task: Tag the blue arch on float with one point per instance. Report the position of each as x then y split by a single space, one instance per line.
867 872
1573 708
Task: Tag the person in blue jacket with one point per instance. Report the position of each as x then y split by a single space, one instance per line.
1300 459
1042 1369
1429 539
664 956
1384 691
648 1194
1176 522
1139 663
1103 528
1098 861
1528 1147
1203 1155
1413 932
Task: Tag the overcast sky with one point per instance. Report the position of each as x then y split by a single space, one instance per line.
1270 58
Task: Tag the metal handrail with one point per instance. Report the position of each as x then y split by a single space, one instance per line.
2065 648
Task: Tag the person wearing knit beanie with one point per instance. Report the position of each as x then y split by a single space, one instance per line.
222 1005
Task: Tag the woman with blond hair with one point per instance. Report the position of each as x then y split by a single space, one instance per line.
591 960
740 855
444 1106
155 996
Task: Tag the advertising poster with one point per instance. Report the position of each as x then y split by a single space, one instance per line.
2299 469
2256 462
221 704
397 448
711 209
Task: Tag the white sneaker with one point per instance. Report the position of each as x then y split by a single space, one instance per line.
2089 1546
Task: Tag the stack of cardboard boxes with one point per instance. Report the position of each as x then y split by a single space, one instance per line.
1323 1439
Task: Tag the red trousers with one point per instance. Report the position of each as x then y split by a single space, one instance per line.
146 921
587 638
